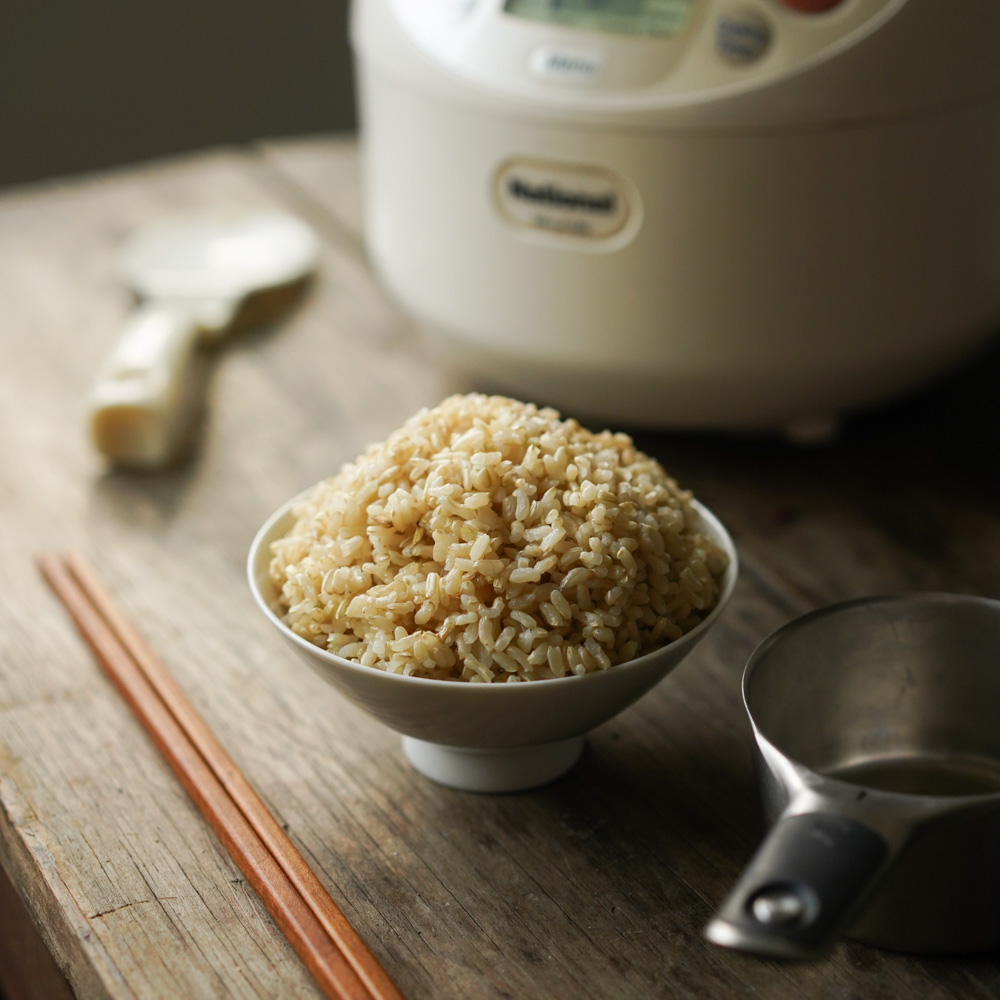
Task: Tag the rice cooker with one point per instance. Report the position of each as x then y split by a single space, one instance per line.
716 214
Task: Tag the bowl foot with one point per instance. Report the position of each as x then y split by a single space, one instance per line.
503 770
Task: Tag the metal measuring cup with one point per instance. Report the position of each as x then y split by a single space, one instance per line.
877 729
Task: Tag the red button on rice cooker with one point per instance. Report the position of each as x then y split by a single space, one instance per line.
812 6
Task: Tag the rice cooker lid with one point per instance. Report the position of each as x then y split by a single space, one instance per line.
687 62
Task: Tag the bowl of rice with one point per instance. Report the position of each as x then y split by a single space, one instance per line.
493 581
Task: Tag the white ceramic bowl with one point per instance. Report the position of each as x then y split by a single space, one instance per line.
488 737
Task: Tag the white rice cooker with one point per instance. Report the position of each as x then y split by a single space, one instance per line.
731 214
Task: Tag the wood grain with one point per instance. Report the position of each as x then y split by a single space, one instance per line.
595 886
340 963
27 970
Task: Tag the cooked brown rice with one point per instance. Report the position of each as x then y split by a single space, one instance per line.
488 540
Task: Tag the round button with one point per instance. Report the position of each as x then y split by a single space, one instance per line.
784 904
812 6
742 35
778 908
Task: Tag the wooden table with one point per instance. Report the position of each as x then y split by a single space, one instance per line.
595 886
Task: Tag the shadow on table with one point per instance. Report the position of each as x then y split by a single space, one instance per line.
950 426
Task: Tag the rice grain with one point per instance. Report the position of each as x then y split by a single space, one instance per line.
488 540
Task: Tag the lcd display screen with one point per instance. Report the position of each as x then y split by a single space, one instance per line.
662 18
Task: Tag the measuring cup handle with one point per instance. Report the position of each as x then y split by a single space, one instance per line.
140 403
800 891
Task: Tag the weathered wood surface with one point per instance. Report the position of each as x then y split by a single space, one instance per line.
597 885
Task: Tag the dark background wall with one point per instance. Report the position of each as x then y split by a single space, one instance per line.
85 85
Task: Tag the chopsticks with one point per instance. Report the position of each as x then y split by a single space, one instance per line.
328 945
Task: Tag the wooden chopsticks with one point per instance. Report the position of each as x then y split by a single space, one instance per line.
328 945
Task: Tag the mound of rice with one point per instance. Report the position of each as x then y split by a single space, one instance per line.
488 540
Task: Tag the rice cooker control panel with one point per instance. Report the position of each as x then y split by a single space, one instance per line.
655 49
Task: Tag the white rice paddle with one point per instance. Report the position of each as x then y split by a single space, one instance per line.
195 278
